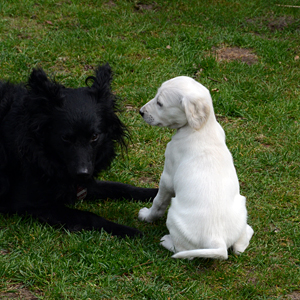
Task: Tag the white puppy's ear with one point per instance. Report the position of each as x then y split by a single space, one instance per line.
196 110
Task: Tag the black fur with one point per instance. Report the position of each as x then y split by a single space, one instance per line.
55 139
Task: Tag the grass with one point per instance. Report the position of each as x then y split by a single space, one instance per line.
256 99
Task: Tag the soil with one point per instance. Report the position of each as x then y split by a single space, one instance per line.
235 53
17 291
294 295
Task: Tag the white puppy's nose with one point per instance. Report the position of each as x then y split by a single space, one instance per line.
141 113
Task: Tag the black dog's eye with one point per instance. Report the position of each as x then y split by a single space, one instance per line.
66 138
94 137
159 104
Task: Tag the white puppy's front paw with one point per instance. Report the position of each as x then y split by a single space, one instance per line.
144 214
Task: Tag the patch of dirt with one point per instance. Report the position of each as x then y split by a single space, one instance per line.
147 180
294 295
140 6
110 3
17 291
280 23
272 22
235 53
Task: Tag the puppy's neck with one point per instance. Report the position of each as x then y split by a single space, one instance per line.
211 130
184 131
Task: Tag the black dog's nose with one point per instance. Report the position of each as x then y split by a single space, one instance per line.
83 174
141 113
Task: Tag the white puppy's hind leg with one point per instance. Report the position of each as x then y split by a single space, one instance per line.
166 241
243 242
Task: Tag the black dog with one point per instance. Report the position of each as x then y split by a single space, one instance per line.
54 141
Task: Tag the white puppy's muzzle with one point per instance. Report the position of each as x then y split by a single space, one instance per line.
147 116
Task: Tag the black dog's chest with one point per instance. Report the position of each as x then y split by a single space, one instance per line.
43 192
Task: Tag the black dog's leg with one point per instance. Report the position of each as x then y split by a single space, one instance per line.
76 220
115 190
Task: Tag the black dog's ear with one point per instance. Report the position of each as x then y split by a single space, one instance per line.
103 75
101 82
101 90
38 80
41 86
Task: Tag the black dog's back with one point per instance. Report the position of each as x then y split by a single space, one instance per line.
55 140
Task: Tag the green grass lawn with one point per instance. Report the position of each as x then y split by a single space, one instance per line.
247 54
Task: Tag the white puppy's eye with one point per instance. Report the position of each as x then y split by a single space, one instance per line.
159 104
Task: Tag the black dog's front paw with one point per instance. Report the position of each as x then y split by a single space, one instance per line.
123 231
116 190
143 194
77 220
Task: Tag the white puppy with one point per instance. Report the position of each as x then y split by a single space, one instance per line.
207 213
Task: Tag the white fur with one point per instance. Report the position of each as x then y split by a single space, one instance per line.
207 213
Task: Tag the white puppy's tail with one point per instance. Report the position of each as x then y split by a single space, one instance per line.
220 253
